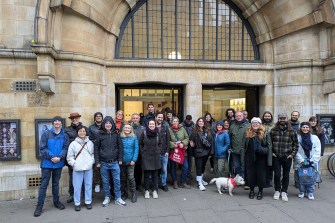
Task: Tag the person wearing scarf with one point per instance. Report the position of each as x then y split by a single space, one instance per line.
258 156
119 121
150 150
221 146
309 152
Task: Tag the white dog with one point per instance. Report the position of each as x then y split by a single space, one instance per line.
230 183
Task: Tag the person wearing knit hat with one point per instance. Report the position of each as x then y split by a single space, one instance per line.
308 155
53 148
284 147
93 133
258 156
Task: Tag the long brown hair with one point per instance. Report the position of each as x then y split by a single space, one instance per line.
197 127
260 133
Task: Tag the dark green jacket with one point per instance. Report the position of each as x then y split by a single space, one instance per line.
237 136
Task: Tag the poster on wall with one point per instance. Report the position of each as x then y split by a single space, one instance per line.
327 122
10 146
42 125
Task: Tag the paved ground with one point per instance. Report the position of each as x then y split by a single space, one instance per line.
187 205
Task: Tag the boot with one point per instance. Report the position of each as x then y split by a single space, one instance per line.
38 210
200 185
175 185
133 197
251 194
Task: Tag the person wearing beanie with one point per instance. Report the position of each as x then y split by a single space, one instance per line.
220 147
284 148
108 156
93 133
71 132
258 156
53 148
308 154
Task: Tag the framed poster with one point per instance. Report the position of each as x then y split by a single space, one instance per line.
327 122
42 125
10 139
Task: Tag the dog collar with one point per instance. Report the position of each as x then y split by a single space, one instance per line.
232 181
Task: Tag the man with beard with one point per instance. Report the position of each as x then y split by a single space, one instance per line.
163 128
138 130
294 121
151 115
93 132
237 142
71 132
267 121
188 124
230 115
284 148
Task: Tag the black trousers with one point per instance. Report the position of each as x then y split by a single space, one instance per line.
154 178
138 174
200 164
280 164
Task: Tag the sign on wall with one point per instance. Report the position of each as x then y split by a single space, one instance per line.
327 122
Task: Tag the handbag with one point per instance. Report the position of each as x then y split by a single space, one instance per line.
178 154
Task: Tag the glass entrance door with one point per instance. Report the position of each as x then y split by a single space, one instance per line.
135 99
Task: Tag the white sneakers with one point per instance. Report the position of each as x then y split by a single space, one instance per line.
97 188
201 183
120 202
276 195
284 196
154 194
146 194
310 197
301 195
106 201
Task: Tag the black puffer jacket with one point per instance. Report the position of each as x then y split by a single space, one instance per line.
199 150
108 146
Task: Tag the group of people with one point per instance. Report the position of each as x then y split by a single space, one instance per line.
125 151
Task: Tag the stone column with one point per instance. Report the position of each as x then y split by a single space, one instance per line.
193 100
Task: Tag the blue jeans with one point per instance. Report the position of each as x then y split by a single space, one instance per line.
78 177
309 189
111 168
46 175
238 164
184 171
164 161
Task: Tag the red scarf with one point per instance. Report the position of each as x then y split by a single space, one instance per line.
118 123
175 127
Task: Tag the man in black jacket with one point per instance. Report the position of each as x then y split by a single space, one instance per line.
108 157
151 115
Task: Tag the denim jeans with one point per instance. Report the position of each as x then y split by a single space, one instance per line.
78 178
46 175
238 164
164 161
184 171
279 164
110 168
309 189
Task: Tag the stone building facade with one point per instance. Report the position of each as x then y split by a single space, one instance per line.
67 47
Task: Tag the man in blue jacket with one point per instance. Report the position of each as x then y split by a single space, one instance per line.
53 148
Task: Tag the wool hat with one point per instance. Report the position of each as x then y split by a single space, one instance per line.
188 117
282 115
74 115
256 119
56 118
220 122
305 123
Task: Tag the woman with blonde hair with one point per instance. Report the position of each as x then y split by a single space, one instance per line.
258 156
119 120
129 158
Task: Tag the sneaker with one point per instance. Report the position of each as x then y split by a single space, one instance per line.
38 210
202 188
301 195
106 202
276 195
77 208
154 194
97 188
89 206
204 183
59 205
310 197
246 188
164 188
120 202
185 185
146 194
284 196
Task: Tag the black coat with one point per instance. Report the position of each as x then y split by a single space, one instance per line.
108 146
199 150
150 151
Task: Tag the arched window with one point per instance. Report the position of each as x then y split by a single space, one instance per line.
208 30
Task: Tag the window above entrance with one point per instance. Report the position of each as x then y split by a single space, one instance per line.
207 30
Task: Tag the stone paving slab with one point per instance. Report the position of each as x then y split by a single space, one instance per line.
186 205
